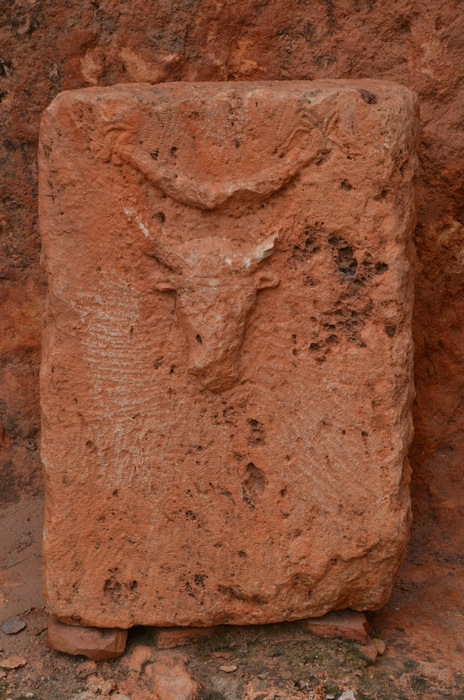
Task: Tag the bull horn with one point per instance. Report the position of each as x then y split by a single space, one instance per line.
261 252
152 247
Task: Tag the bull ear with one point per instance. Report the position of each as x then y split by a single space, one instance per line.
264 280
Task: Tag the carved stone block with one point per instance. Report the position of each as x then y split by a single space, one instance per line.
226 377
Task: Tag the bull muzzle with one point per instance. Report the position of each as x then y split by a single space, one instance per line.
215 375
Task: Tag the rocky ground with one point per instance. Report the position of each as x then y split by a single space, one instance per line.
422 627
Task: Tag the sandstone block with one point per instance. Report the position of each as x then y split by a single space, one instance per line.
226 376
347 624
96 644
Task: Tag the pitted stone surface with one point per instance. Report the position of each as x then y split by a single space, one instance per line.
226 377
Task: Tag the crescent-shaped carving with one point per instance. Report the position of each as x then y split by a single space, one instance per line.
297 142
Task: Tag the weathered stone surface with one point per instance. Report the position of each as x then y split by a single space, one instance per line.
171 637
226 378
341 623
96 644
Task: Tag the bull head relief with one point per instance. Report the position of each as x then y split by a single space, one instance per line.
215 281
216 286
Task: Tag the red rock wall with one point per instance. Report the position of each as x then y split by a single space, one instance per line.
47 46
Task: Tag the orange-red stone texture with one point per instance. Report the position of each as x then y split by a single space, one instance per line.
226 379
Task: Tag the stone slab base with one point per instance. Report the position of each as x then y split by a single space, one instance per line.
347 624
96 644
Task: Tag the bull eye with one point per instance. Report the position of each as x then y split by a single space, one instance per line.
198 339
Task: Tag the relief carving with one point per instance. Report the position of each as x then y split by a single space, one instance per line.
216 281
216 286
255 166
